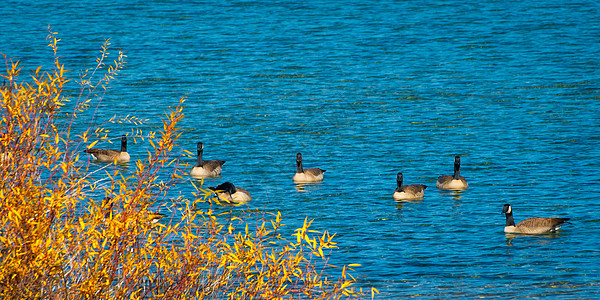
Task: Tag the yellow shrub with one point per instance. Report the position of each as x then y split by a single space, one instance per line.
60 239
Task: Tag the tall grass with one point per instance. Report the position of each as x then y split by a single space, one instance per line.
60 240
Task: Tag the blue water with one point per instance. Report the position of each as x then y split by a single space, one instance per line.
365 90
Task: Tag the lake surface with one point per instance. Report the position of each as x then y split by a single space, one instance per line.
365 89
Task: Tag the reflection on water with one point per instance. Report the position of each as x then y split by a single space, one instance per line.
540 238
400 203
456 195
122 166
308 186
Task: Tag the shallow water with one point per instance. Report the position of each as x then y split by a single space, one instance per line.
365 90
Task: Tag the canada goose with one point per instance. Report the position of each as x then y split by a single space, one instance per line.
107 209
532 225
306 175
4 155
154 217
453 182
228 192
408 192
110 155
207 168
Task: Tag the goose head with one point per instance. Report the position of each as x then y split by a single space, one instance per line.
226 187
200 148
399 180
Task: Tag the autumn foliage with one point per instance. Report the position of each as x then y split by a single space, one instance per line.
72 230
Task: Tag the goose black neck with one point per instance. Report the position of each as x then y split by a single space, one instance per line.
299 166
123 144
199 161
399 180
456 168
509 219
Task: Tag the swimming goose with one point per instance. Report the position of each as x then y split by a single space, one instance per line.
306 175
110 155
534 225
108 205
228 192
408 192
453 182
208 168
4 155
154 217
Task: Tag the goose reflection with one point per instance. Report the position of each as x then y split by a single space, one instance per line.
400 203
307 186
511 236
456 195
408 201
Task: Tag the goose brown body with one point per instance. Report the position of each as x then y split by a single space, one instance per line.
306 175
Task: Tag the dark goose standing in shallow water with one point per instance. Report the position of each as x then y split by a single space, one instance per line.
534 225
408 192
453 182
206 168
306 175
110 155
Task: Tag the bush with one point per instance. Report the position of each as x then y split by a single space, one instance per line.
72 233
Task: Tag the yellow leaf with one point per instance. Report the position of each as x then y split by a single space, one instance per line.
92 144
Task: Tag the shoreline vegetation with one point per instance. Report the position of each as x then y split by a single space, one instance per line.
61 239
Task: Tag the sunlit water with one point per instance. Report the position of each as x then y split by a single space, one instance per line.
365 90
